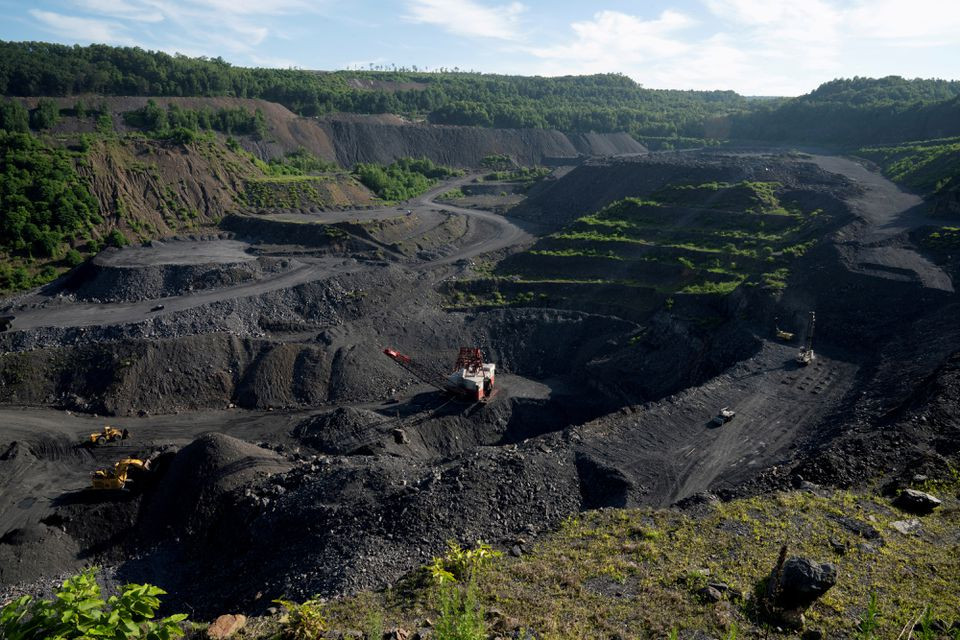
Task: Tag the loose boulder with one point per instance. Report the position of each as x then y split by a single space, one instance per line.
917 502
802 581
226 626
906 527
794 585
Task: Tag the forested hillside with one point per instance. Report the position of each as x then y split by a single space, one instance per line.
602 103
859 111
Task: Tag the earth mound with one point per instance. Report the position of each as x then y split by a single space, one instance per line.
174 268
191 491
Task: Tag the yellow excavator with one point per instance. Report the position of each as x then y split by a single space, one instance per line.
117 476
786 336
108 434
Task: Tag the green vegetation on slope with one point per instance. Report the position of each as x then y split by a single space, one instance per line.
79 611
931 167
164 122
525 175
300 163
638 573
404 179
45 208
844 112
608 102
686 239
64 196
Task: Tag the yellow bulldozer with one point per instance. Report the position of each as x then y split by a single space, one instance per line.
108 434
117 476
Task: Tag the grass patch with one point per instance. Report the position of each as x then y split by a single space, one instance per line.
931 167
744 231
635 573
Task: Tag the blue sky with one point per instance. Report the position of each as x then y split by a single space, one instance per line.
756 47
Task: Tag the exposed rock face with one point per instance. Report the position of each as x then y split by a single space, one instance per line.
906 527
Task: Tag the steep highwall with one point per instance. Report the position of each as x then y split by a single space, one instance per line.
361 139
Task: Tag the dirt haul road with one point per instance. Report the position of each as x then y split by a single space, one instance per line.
496 233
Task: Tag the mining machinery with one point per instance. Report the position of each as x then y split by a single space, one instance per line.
108 434
806 354
472 379
116 477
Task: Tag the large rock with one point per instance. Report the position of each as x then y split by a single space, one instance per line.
226 626
917 502
802 581
795 584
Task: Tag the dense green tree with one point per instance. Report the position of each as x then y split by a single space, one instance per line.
13 116
406 178
853 111
45 115
42 200
602 102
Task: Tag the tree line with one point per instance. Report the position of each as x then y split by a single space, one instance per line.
604 102
858 111
853 111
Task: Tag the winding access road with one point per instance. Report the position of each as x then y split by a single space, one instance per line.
41 310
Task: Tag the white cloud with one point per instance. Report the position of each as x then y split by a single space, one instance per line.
613 40
213 27
758 47
919 23
468 18
255 7
82 29
803 35
121 9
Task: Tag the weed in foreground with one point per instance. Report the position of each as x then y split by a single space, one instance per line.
78 611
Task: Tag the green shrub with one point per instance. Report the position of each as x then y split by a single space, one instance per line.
117 239
45 115
869 621
303 621
182 135
13 117
73 258
404 179
78 611
104 123
44 200
300 163
455 576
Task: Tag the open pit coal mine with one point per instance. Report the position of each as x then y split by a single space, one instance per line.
288 456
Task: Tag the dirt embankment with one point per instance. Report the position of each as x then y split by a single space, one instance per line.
151 188
117 276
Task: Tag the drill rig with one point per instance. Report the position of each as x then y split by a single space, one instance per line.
806 355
